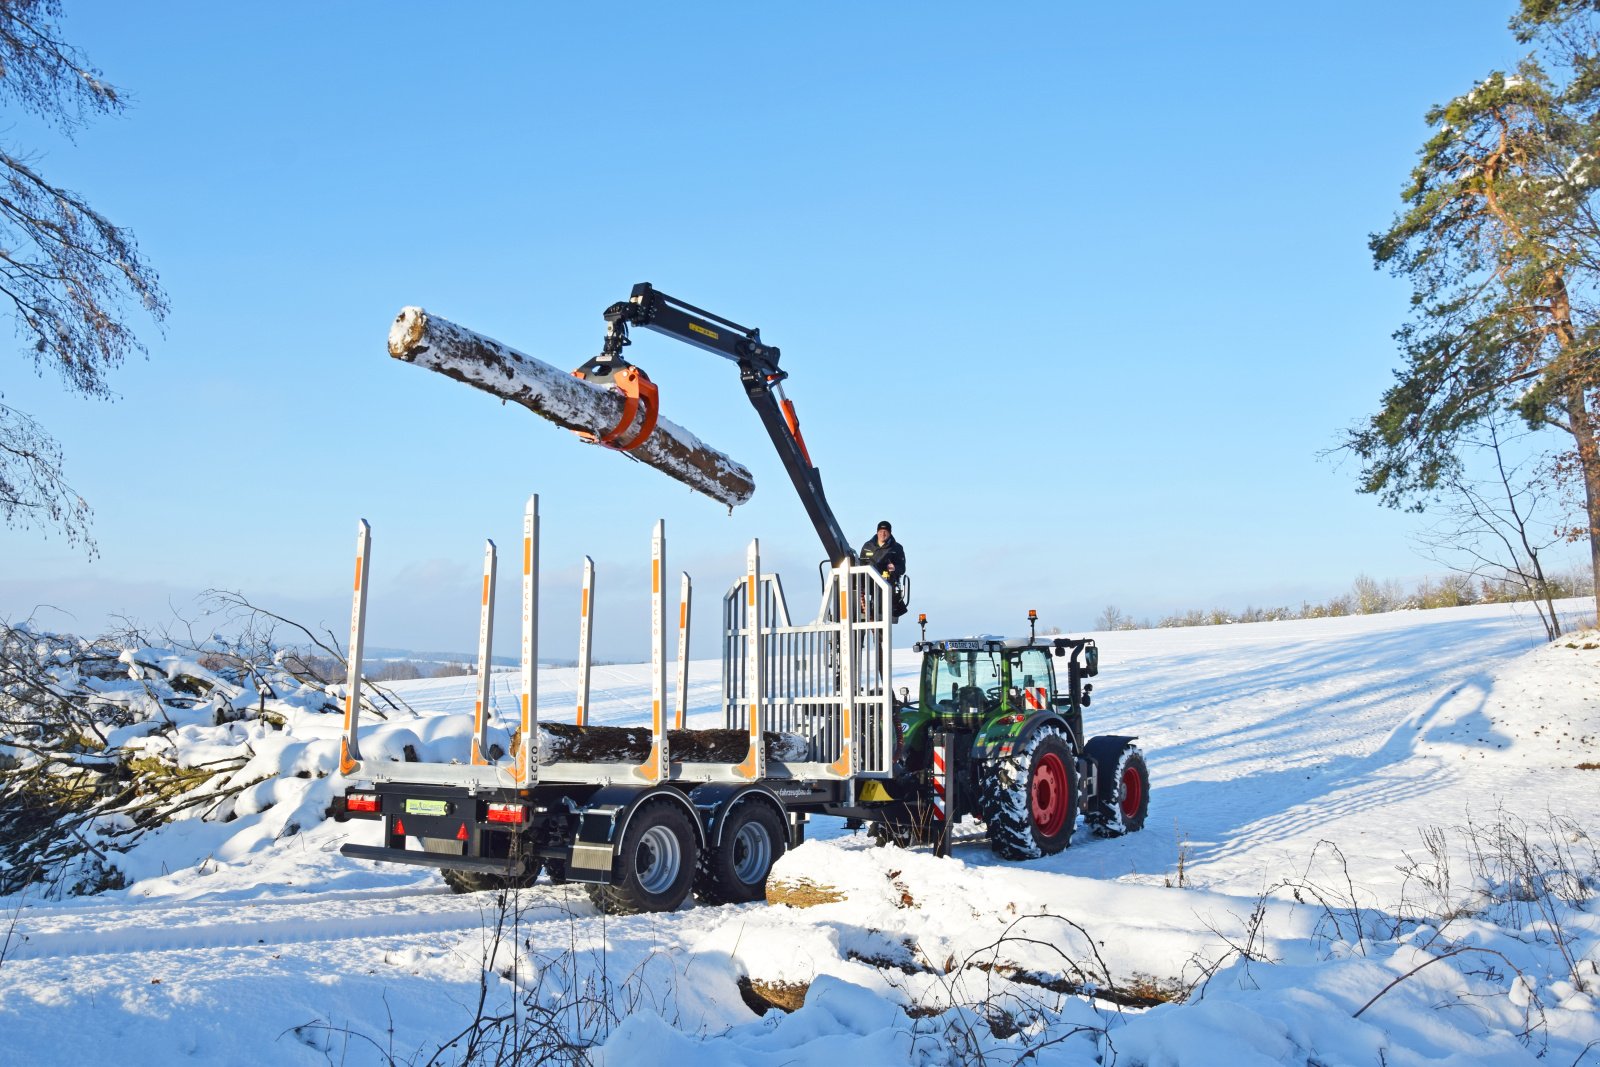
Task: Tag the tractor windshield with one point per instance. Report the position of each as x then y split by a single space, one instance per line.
948 673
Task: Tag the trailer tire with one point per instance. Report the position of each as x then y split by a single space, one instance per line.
753 838
655 863
479 882
1122 802
1030 799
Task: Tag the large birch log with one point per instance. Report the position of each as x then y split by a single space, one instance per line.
483 363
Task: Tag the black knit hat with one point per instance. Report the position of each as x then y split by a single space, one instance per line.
884 525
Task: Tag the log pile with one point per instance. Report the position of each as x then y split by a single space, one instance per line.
561 742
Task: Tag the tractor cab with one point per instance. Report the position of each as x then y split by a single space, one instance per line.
995 688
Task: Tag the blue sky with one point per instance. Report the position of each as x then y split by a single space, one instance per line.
1073 295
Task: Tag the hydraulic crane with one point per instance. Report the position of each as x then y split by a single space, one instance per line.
759 372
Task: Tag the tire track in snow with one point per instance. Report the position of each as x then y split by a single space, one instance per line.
152 935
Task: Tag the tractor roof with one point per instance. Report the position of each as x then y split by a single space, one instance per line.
994 643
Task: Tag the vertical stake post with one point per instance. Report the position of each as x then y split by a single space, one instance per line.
480 710
654 768
527 761
683 651
585 613
349 746
754 766
849 594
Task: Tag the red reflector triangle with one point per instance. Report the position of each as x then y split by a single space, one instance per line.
461 835
400 827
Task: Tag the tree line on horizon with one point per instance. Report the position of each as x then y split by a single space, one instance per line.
1368 596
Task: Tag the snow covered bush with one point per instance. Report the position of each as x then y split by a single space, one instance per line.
103 741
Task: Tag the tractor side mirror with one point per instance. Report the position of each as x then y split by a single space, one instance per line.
905 694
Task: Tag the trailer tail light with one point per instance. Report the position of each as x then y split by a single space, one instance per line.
361 802
511 813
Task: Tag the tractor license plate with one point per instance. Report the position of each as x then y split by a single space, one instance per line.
427 807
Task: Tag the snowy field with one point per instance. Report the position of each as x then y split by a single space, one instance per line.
1384 807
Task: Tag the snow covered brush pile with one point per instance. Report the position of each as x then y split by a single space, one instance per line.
104 741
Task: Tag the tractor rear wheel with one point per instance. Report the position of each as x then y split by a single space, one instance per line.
736 872
655 864
1030 798
1123 800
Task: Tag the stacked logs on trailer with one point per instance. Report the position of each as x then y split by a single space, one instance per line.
568 743
597 412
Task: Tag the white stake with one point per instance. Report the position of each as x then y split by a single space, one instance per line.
754 766
350 749
654 768
480 711
585 612
844 766
683 651
527 764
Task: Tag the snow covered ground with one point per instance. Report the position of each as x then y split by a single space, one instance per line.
1290 872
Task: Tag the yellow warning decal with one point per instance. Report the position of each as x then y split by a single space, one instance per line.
703 331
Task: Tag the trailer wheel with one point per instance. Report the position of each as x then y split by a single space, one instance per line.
1030 799
655 864
1123 799
736 873
479 882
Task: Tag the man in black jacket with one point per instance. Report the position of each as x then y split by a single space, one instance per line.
883 554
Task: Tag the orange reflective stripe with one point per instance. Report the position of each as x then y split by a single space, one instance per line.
841 766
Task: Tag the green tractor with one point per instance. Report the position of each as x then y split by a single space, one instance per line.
994 735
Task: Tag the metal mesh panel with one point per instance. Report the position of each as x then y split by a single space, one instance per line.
804 671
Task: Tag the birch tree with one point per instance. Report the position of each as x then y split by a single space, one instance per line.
69 277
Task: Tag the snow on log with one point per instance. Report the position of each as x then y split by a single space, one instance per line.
483 363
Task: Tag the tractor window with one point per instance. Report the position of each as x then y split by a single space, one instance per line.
955 671
1030 669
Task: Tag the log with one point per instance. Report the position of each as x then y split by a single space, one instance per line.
800 892
561 742
549 392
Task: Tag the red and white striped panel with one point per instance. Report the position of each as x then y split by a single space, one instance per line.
1037 697
938 781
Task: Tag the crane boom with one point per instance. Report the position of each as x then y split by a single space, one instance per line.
652 309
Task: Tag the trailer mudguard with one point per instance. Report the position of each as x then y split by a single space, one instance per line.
716 799
604 818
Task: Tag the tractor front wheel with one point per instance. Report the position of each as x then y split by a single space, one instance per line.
1030 799
1123 799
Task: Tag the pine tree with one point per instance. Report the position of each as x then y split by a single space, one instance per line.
1500 239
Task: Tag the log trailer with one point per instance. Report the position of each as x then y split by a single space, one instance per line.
811 724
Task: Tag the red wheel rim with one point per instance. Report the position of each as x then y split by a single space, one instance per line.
1048 795
1132 792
